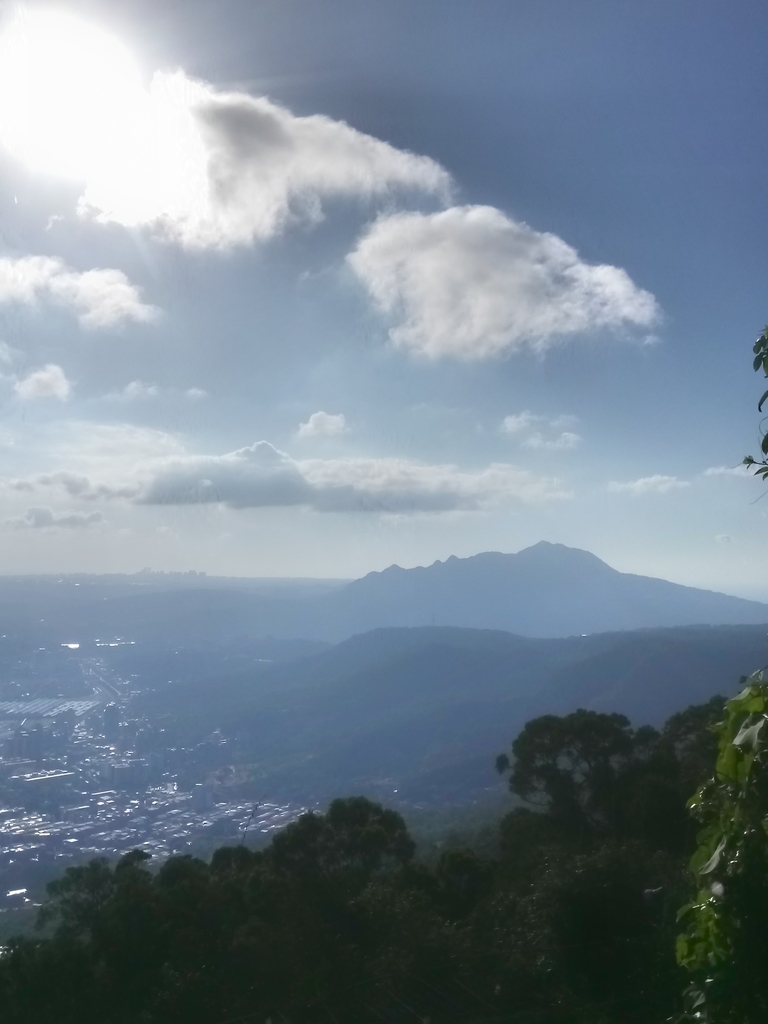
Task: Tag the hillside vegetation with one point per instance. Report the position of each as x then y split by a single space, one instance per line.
336 920
418 710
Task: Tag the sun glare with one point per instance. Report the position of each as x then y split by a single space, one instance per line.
72 105
67 92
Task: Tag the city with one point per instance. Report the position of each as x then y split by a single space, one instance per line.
80 778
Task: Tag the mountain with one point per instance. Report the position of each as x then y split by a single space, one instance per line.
547 590
418 714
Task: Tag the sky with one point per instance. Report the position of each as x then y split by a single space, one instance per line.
301 289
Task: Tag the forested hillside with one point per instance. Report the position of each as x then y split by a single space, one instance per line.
417 710
338 920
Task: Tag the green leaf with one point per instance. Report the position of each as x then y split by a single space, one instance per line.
760 403
714 860
728 763
748 736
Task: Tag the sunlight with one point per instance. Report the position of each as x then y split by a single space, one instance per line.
72 105
67 90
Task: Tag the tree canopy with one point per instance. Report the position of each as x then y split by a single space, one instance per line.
339 920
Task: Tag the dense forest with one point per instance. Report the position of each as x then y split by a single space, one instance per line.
574 918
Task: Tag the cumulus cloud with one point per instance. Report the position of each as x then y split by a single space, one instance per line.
261 476
196 394
472 283
100 298
214 169
529 429
323 424
48 382
656 484
41 517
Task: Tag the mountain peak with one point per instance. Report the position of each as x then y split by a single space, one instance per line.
547 552
543 590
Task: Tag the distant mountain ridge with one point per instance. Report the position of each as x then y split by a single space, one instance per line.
546 590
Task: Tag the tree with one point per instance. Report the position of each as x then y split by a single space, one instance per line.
77 899
570 766
355 835
725 943
591 774
690 737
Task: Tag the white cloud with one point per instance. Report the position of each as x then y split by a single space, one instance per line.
42 517
527 427
656 484
401 485
323 424
564 442
472 283
100 298
74 485
740 472
519 422
102 445
724 538
101 460
213 169
136 389
261 476
48 382
139 390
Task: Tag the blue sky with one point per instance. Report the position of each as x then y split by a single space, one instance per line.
329 286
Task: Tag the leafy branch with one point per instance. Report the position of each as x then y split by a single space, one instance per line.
760 349
725 944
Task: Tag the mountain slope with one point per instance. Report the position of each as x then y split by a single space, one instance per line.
423 711
547 590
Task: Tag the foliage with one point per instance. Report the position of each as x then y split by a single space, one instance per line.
692 739
337 921
571 764
725 944
760 362
354 836
595 775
